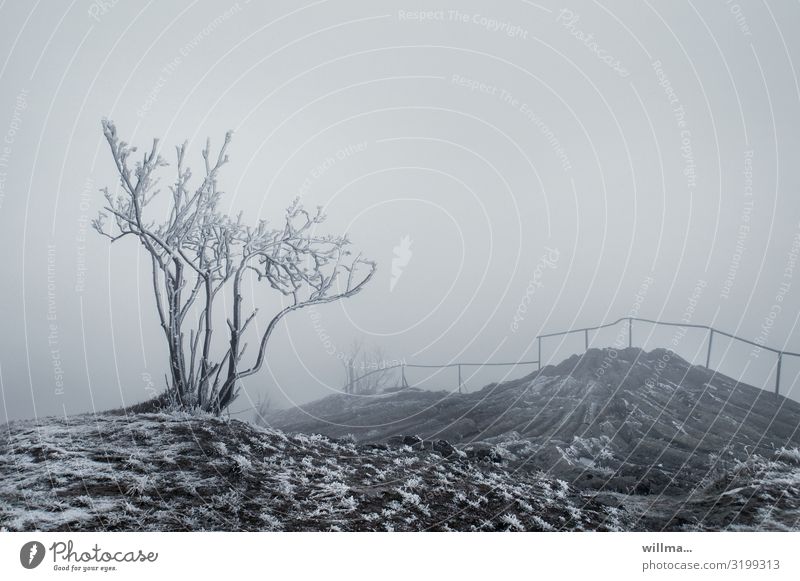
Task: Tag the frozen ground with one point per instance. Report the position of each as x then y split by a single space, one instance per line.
178 472
640 447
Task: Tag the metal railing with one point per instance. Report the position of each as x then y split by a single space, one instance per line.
404 381
586 330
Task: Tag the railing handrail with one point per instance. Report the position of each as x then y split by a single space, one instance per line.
442 366
669 324
469 364
712 330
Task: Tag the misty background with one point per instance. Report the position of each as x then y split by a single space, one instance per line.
530 168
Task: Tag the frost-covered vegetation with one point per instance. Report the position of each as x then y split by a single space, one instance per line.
198 472
197 253
762 492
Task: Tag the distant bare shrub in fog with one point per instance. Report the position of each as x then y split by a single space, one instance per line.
197 251
367 370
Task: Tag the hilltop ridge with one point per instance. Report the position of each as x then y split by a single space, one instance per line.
624 419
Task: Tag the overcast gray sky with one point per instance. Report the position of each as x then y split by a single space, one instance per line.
553 166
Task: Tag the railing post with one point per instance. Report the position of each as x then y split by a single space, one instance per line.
539 339
586 339
708 355
459 378
403 375
778 375
630 332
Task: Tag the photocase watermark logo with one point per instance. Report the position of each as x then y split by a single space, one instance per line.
101 8
569 20
548 260
68 558
31 554
400 259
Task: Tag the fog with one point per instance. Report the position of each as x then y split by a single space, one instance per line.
514 169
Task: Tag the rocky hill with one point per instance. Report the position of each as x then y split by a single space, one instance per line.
626 421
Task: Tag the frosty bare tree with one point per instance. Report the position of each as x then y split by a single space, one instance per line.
196 252
367 371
